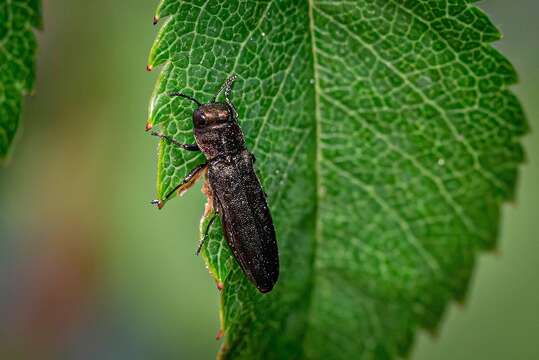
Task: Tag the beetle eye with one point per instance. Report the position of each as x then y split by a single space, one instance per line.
199 119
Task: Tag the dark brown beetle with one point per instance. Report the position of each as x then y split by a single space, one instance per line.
232 188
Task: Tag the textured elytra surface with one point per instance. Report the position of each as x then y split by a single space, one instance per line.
18 18
386 140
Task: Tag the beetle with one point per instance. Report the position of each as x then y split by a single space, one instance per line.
232 188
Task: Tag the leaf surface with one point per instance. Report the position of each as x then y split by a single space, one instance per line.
18 18
386 139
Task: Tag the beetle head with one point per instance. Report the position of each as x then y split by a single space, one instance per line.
212 114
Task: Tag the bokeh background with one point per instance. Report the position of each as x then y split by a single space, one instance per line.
88 269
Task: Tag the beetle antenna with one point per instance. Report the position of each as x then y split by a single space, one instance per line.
227 87
186 97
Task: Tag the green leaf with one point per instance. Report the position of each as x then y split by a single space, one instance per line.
386 139
18 18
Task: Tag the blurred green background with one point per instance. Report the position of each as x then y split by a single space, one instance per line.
88 269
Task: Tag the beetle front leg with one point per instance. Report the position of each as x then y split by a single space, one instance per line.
188 147
186 183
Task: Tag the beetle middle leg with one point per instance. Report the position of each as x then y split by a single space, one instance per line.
206 232
186 183
209 210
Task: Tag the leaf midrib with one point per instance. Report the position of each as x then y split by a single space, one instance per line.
317 170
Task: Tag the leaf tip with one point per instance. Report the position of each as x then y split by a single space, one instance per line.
220 334
149 67
220 286
149 125
155 19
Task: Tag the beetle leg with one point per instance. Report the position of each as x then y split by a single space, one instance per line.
186 183
209 210
188 147
205 237
206 190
